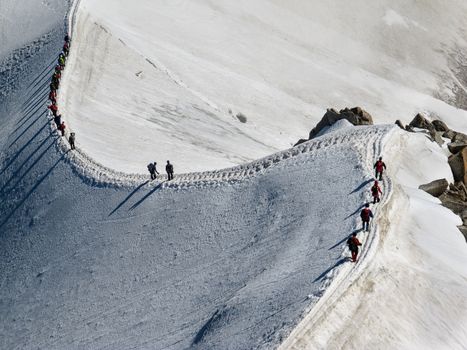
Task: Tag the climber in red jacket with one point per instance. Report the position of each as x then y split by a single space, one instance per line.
365 215
375 192
379 168
54 108
353 244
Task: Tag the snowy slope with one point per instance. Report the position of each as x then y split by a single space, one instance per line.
413 295
228 259
164 75
200 263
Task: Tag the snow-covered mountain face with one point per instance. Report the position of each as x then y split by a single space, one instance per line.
170 77
22 22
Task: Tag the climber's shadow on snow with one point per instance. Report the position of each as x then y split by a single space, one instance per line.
136 190
343 240
128 197
362 185
355 212
26 144
338 263
39 181
51 139
138 203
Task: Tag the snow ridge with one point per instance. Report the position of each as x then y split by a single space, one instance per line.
338 280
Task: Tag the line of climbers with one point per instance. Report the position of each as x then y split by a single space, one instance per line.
366 214
169 168
57 117
54 86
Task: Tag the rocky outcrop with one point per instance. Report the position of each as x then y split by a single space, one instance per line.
439 125
456 147
458 164
356 116
459 137
449 134
421 122
435 188
437 136
399 124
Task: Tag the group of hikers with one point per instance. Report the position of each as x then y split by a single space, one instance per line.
54 86
366 214
169 168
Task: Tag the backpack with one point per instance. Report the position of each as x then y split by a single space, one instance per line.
151 167
365 214
352 246
374 190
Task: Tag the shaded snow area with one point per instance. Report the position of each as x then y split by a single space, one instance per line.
413 294
155 80
203 265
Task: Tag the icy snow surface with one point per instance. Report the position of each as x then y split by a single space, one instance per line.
227 259
202 263
162 76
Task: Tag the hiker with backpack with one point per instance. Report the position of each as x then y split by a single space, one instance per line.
353 244
375 192
365 215
379 168
62 128
58 120
169 168
153 170
71 140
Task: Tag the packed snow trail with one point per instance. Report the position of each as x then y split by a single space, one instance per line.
228 259
413 294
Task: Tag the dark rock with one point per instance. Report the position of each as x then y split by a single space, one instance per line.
409 128
449 134
399 124
439 125
459 137
436 136
356 116
463 216
421 122
455 147
453 201
463 230
458 164
435 188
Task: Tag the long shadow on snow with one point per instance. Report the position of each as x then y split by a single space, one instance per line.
31 113
35 99
138 203
31 191
343 240
338 263
363 184
45 73
128 197
18 169
355 212
29 126
23 148
32 165
41 91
